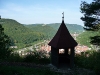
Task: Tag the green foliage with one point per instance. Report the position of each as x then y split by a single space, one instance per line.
4 44
19 34
14 58
85 37
14 70
95 40
48 31
91 13
38 57
90 60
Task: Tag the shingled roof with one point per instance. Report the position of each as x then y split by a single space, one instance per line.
63 38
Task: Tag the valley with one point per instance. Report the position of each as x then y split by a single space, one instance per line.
31 37
43 46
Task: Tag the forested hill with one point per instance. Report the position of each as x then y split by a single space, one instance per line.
19 34
47 30
71 27
12 26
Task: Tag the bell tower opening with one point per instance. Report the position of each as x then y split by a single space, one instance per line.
69 51
61 51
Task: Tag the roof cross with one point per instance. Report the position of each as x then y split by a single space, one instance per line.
63 16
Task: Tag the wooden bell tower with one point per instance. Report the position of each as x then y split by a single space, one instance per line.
62 40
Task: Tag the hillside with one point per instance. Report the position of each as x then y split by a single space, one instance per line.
47 30
85 37
19 34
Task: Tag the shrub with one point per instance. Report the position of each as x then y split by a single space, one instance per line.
15 58
37 57
91 62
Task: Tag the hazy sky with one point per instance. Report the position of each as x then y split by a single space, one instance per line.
42 11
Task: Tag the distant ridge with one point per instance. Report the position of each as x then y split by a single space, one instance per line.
71 27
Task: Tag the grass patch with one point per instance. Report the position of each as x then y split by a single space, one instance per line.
14 70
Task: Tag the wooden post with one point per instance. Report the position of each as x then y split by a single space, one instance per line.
66 51
72 58
55 57
51 55
21 53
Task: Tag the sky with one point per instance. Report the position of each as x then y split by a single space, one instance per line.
42 11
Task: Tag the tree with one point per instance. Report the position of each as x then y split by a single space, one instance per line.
4 44
91 12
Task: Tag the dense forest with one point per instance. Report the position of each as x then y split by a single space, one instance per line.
19 34
48 31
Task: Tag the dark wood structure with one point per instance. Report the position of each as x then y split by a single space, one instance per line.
62 40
